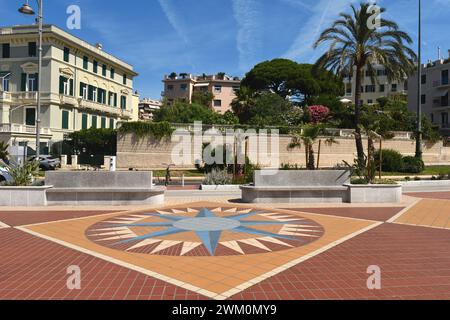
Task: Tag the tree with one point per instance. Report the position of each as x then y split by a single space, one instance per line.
306 136
287 78
203 98
318 113
355 45
182 112
245 98
269 109
4 154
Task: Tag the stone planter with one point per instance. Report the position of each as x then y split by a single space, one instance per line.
374 193
225 187
23 196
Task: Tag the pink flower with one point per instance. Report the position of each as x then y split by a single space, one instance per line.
318 113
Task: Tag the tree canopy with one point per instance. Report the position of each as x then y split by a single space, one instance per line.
288 78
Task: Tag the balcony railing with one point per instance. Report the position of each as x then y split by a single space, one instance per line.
20 128
4 95
103 108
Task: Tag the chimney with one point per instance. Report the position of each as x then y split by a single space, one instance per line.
99 46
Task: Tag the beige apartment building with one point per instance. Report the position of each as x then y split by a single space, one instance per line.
434 93
82 86
147 107
370 92
182 87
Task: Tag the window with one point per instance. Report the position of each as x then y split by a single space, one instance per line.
65 120
183 87
32 49
394 87
112 73
405 85
170 87
217 103
123 102
84 91
111 123
30 116
382 88
381 72
104 70
362 89
423 79
423 99
95 66
444 118
94 94
236 89
113 99
29 82
6 50
370 101
370 88
84 121
85 63
432 117
217 89
94 122
6 83
66 54
64 85
444 77
124 79
103 123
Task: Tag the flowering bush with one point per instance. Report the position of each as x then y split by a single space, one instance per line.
318 113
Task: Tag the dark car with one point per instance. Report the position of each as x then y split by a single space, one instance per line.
47 163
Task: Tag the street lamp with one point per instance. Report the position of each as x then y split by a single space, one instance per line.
419 89
26 9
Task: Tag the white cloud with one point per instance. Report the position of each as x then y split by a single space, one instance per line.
248 15
323 13
298 4
173 18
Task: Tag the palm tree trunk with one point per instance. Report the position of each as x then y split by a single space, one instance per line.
370 160
358 138
311 162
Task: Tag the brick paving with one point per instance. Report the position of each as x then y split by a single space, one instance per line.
33 268
20 218
414 263
376 214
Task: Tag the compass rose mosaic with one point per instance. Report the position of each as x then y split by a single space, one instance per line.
205 231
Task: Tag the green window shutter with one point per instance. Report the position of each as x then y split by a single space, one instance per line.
71 87
123 102
32 49
95 66
103 123
65 119
85 62
62 80
30 117
23 83
94 122
66 54
115 100
90 92
36 82
84 121
112 73
111 123
104 70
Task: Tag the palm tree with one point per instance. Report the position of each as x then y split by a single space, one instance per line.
355 45
307 136
245 98
3 151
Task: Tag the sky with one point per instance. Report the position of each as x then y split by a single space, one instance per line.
208 36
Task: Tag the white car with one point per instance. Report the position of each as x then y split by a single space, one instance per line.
5 176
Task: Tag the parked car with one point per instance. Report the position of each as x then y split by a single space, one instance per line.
5 176
47 163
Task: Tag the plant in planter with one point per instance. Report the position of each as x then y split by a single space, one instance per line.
22 175
217 177
3 151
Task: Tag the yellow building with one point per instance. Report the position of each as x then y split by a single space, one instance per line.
82 86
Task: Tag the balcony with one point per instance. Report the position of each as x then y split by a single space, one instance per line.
5 96
25 97
444 83
86 104
22 129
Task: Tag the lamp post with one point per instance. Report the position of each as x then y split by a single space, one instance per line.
26 9
419 89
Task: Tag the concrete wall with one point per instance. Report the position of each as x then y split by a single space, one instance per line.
148 153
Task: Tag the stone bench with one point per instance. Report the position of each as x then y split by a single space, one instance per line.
294 186
102 188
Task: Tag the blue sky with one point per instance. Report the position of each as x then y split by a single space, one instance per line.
161 36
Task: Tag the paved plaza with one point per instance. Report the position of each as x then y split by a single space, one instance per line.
220 249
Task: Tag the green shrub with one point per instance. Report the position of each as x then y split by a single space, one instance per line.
392 161
142 129
412 165
22 175
217 177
